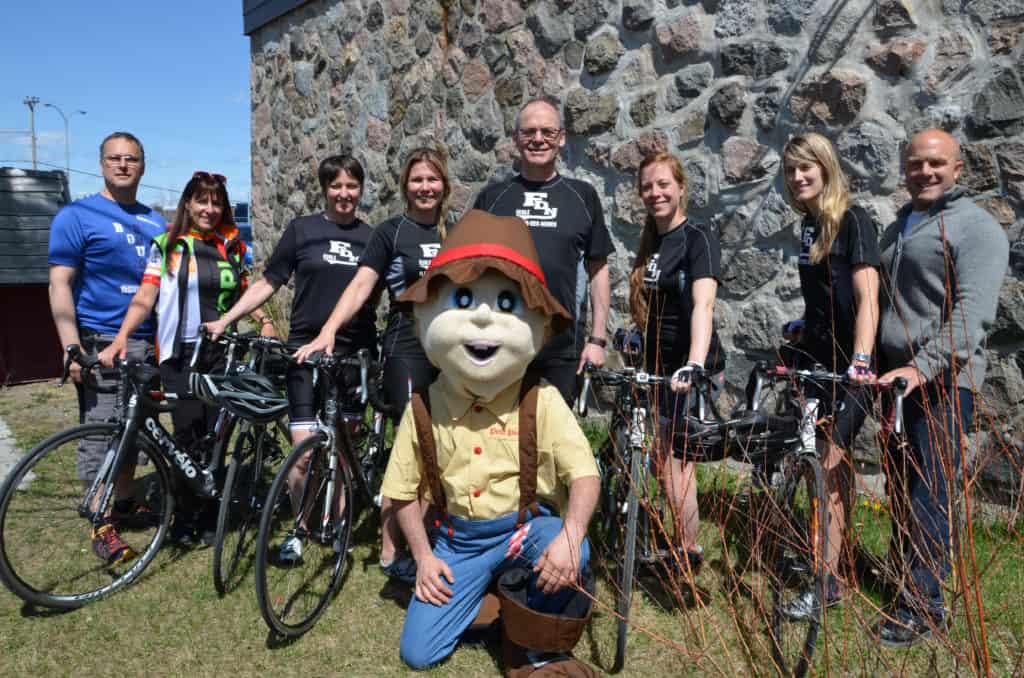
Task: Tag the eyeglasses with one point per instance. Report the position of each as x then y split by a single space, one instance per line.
210 176
118 159
548 133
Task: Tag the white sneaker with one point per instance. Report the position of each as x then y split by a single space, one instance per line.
291 550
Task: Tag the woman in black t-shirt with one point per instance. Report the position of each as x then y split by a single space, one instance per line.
322 252
672 298
839 282
399 252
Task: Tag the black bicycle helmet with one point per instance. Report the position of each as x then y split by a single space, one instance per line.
697 440
247 395
755 435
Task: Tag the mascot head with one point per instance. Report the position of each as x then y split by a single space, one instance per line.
483 309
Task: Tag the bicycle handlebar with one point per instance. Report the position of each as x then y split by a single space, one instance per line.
626 375
774 373
368 391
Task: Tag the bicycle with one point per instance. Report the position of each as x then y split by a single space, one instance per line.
795 524
795 527
628 462
49 517
256 453
339 463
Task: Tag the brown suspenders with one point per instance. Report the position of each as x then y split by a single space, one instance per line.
420 403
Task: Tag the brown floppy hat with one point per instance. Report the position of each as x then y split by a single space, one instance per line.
481 241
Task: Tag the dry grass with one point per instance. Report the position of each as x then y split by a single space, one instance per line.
172 621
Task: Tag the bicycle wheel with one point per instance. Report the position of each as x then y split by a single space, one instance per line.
797 543
254 462
627 572
292 594
46 551
608 527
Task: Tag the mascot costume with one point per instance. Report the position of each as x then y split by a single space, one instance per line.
499 457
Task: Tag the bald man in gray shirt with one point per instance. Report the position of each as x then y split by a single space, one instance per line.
943 262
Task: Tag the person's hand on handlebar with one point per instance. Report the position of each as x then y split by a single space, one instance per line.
860 371
74 370
683 377
322 344
215 327
910 373
117 350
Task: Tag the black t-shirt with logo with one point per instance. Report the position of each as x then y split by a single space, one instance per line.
567 223
323 256
687 253
830 308
400 252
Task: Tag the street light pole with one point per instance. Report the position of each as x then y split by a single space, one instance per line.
31 103
67 140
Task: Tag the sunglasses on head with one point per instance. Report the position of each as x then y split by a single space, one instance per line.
210 176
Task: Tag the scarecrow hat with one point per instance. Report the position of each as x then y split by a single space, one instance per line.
482 241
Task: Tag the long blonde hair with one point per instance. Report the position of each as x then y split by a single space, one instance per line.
436 159
835 193
648 236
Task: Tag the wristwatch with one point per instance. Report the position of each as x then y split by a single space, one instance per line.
603 343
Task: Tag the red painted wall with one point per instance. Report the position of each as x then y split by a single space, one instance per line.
29 347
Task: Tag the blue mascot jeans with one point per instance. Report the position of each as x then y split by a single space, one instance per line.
924 484
475 552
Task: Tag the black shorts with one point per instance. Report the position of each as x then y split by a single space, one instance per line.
404 373
845 406
305 398
560 372
848 407
674 407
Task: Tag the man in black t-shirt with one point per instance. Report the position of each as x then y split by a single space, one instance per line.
567 224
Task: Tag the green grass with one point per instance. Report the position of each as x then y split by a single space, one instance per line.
172 622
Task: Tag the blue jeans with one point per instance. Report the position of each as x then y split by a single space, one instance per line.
476 555
924 483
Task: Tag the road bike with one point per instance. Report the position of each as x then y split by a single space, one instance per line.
635 523
341 466
50 519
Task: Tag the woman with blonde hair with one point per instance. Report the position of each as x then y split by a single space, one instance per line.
672 290
399 252
839 281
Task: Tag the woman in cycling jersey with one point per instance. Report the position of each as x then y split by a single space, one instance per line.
399 252
203 233
839 281
672 290
321 251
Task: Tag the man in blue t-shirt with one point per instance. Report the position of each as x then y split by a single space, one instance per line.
97 255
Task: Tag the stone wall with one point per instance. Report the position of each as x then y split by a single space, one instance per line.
721 83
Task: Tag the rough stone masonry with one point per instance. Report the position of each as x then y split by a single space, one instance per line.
721 83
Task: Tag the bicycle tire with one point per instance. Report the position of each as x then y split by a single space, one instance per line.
254 462
292 596
46 555
624 600
798 547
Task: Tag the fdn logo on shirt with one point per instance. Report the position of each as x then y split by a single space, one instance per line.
536 211
340 253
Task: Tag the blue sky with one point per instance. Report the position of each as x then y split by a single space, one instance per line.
174 74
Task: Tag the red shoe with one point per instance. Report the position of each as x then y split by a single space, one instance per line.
109 547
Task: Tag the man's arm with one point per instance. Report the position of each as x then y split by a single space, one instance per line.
600 300
559 565
62 306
